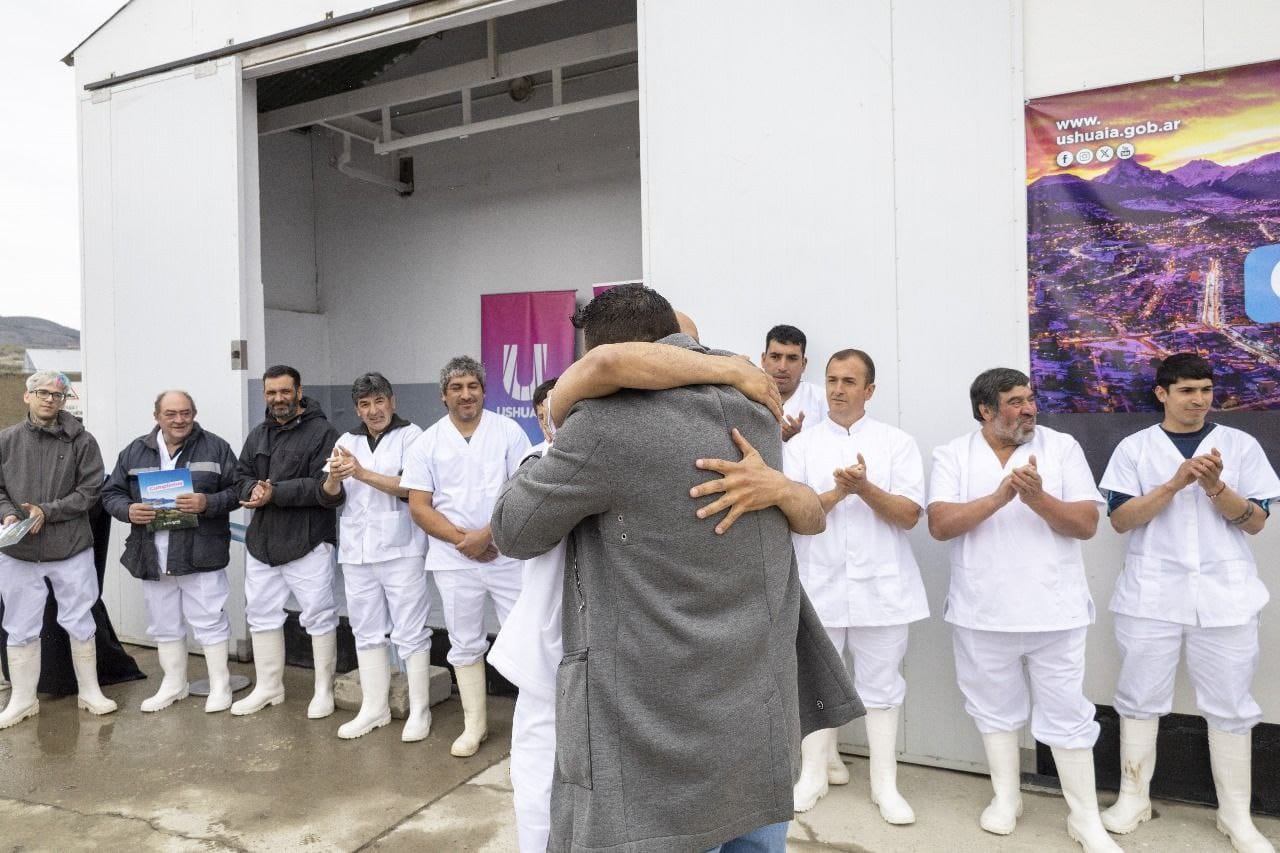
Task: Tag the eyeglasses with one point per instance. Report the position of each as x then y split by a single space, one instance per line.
55 396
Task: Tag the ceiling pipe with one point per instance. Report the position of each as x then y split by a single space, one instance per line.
343 164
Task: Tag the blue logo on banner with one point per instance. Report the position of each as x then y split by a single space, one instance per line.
1262 284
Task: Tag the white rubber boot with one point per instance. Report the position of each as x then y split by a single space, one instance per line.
475 714
375 685
1137 764
268 672
215 661
837 771
1231 757
174 686
1079 789
24 669
418 671
882 742
812 784
324 653
84 660
1005 760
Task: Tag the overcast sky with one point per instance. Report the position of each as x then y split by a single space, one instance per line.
39 194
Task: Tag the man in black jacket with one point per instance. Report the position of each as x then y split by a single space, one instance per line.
50 473
290 540
182 569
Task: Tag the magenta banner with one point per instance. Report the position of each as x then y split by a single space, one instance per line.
525 339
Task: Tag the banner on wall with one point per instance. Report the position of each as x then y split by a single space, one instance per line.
1153 227
525 339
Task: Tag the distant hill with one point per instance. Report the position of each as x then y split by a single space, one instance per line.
38 333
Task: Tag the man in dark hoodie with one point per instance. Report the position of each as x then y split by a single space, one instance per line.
50 471
291 538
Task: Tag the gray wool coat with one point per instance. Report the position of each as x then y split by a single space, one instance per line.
692 661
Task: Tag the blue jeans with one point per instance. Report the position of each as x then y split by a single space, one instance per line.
766 839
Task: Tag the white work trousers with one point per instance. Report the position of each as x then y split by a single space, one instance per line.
533 764
390 597
989 671
877 662
462 594
22 589
309 578
198 600
1221 663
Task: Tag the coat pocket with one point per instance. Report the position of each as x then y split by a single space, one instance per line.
573 728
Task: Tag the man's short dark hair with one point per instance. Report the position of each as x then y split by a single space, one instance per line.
846 354
1183 365
278 370
627 312
540 393
371 385
990 384
784 334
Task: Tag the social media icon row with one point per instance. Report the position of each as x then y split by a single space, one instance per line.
1102 154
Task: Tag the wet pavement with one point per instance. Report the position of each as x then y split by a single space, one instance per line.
181 780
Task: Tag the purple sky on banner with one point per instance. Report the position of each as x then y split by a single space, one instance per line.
525 338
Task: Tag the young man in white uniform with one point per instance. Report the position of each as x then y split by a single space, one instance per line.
454 473
1015 500
860 572
784 359
1187 491
381 552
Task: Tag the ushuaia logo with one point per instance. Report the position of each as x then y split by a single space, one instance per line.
510 382
1262 284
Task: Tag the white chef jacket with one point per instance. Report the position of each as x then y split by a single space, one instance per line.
860 571
1188 565
811 400
1013 572
530 644
374 526
465 478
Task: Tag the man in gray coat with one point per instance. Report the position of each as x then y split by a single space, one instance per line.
690 657
50 475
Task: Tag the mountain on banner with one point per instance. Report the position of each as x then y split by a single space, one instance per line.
1146 194
1131 174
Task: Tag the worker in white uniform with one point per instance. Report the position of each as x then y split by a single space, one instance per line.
1015 500
381 552
785 361
860 572
527 652
454 473
1187 491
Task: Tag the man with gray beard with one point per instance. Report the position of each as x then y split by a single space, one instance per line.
1015 500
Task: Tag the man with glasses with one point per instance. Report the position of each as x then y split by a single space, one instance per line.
50 476
182 570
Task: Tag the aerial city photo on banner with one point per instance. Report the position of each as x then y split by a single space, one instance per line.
1153 227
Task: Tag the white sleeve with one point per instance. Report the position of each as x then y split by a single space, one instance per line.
1257 478
944 479
518 445
1122 469
907 476
1077 479
418 474
793 459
